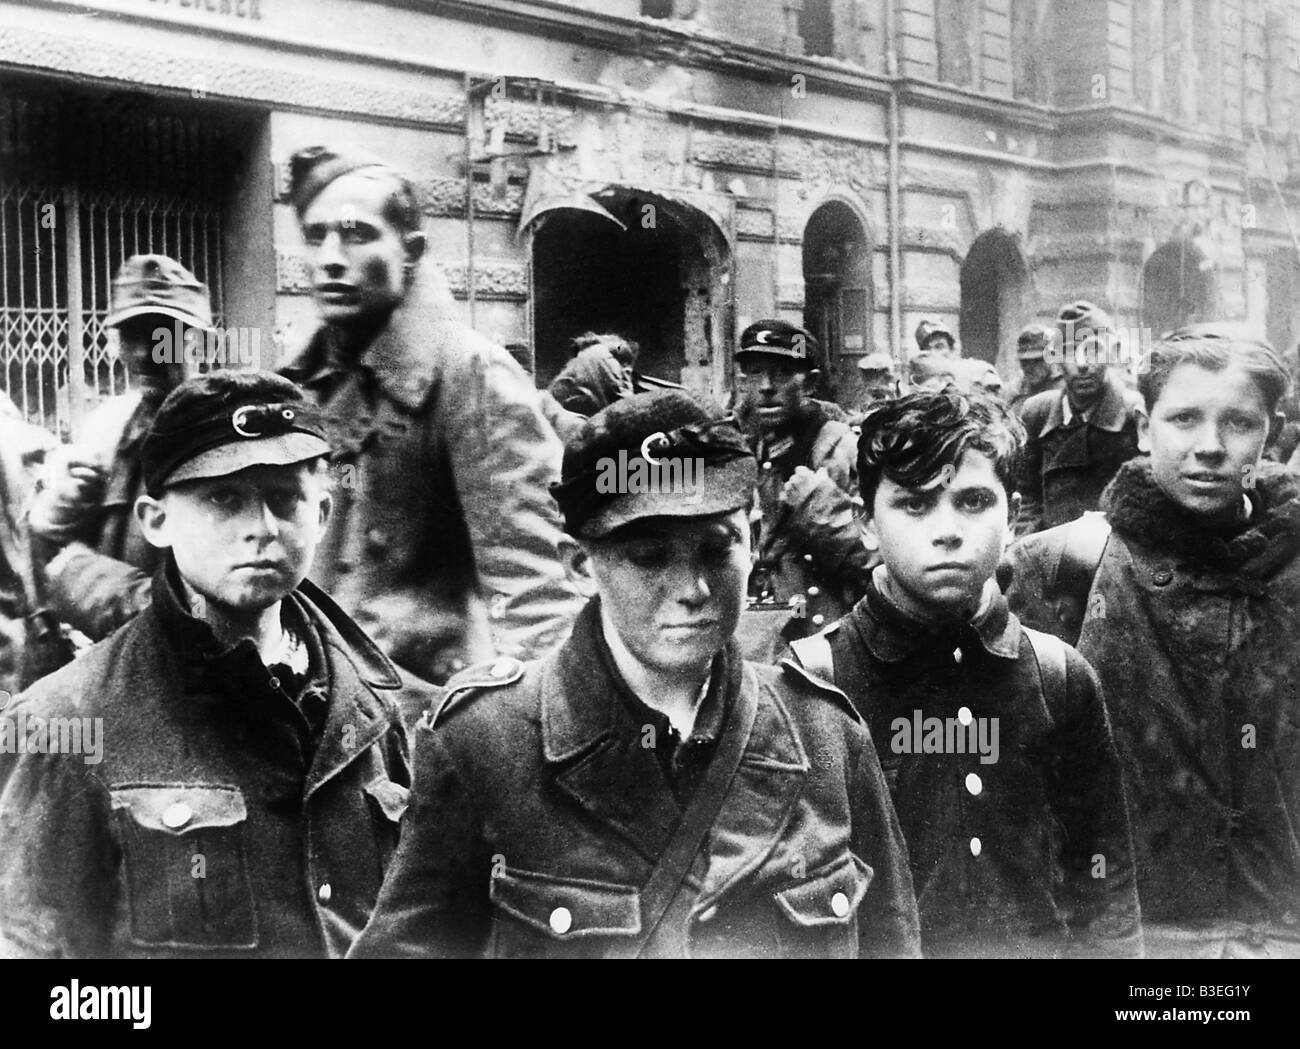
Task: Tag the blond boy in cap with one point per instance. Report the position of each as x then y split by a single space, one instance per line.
233 770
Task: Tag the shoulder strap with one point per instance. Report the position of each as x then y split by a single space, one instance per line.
669 873
815 656
1081 553
1049 651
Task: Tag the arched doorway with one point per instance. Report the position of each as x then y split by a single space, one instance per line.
994 283
652 275
837 291
1177 287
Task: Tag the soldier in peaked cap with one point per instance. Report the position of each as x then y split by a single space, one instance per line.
99 562
811 565
936 336
1080 436
247 798
634 793
1037 372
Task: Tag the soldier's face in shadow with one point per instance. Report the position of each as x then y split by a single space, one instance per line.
673 587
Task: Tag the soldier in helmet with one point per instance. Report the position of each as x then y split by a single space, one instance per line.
589 804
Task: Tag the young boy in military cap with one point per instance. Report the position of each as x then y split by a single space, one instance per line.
643 791
251 773
995 738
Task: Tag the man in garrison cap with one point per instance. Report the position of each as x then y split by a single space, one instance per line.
643 791
234 770
810 563
444 541
99 562
1080 436
1034 345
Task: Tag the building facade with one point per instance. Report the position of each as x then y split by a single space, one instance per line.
670 169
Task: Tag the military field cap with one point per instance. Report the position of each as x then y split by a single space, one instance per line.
876 362
932 326
225 421
1032 343
777 338
157 284
314 168
621 465
1083 314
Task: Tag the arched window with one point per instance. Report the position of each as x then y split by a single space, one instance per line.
837 289
994 280
1177 287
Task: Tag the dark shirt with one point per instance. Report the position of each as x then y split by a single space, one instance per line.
1003 853
684 762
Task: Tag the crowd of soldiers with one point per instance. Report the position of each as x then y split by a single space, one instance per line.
368 657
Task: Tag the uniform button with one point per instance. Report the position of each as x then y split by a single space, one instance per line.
176 815
840 905
807 557
767 466
976 846
973 783
964 716
325 893
1162 578
818 619
709 913
457 665
501 668
813 591
956 655
274 682
561 920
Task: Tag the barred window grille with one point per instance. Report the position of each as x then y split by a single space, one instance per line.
86 181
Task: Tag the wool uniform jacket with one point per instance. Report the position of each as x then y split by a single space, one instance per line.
1065 467
444 541
538 815
1027 855
210 826
1196 639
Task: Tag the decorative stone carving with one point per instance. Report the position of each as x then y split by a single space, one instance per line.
493 279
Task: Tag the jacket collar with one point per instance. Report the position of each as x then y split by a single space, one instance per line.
1111 413
892 635
203 656
596 753
1139 510
405 358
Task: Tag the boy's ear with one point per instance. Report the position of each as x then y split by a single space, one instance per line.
1013 512
867 530
1275 426
413 244
152 515
1144 430
577 566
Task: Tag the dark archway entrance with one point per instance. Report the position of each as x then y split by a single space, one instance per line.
837 291
1177 288
654 281
994 283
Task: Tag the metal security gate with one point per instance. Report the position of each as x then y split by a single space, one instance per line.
85 182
